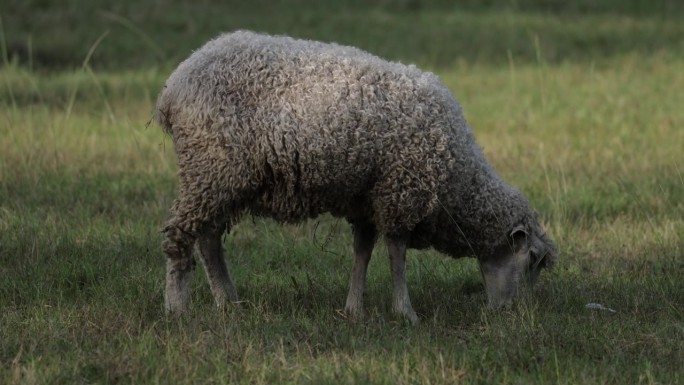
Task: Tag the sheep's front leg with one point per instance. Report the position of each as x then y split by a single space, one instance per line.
401 304
179 265
210 250
364 240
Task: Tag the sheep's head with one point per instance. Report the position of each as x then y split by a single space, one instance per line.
516 262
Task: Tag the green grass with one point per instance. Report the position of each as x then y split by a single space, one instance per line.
47 34
592 134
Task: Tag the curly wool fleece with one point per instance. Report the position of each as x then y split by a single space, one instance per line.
290 129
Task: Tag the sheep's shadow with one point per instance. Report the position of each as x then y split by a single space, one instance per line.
307 297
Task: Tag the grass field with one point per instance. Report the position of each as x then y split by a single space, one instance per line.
580 107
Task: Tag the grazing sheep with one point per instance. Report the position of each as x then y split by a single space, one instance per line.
290 129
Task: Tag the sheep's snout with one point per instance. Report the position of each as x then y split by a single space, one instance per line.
504 271
503 279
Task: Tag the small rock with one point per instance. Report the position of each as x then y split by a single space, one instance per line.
598 306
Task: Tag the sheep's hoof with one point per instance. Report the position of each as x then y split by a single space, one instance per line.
355 314
175 309
407 314
412 318
228 305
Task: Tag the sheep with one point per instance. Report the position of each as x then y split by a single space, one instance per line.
284 128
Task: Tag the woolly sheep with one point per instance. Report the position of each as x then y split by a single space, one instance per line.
289 129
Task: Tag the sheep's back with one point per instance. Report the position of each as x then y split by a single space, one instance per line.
318 123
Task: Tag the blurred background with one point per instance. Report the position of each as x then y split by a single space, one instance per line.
49 34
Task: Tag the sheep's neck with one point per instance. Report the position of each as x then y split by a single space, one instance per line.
468 228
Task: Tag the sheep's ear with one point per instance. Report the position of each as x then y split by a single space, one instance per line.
518 238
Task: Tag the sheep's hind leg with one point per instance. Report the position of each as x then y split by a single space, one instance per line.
211 252
401 304
364 240
179 265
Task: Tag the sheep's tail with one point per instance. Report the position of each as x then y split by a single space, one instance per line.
162 111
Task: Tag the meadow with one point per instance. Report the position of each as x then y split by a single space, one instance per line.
580 106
